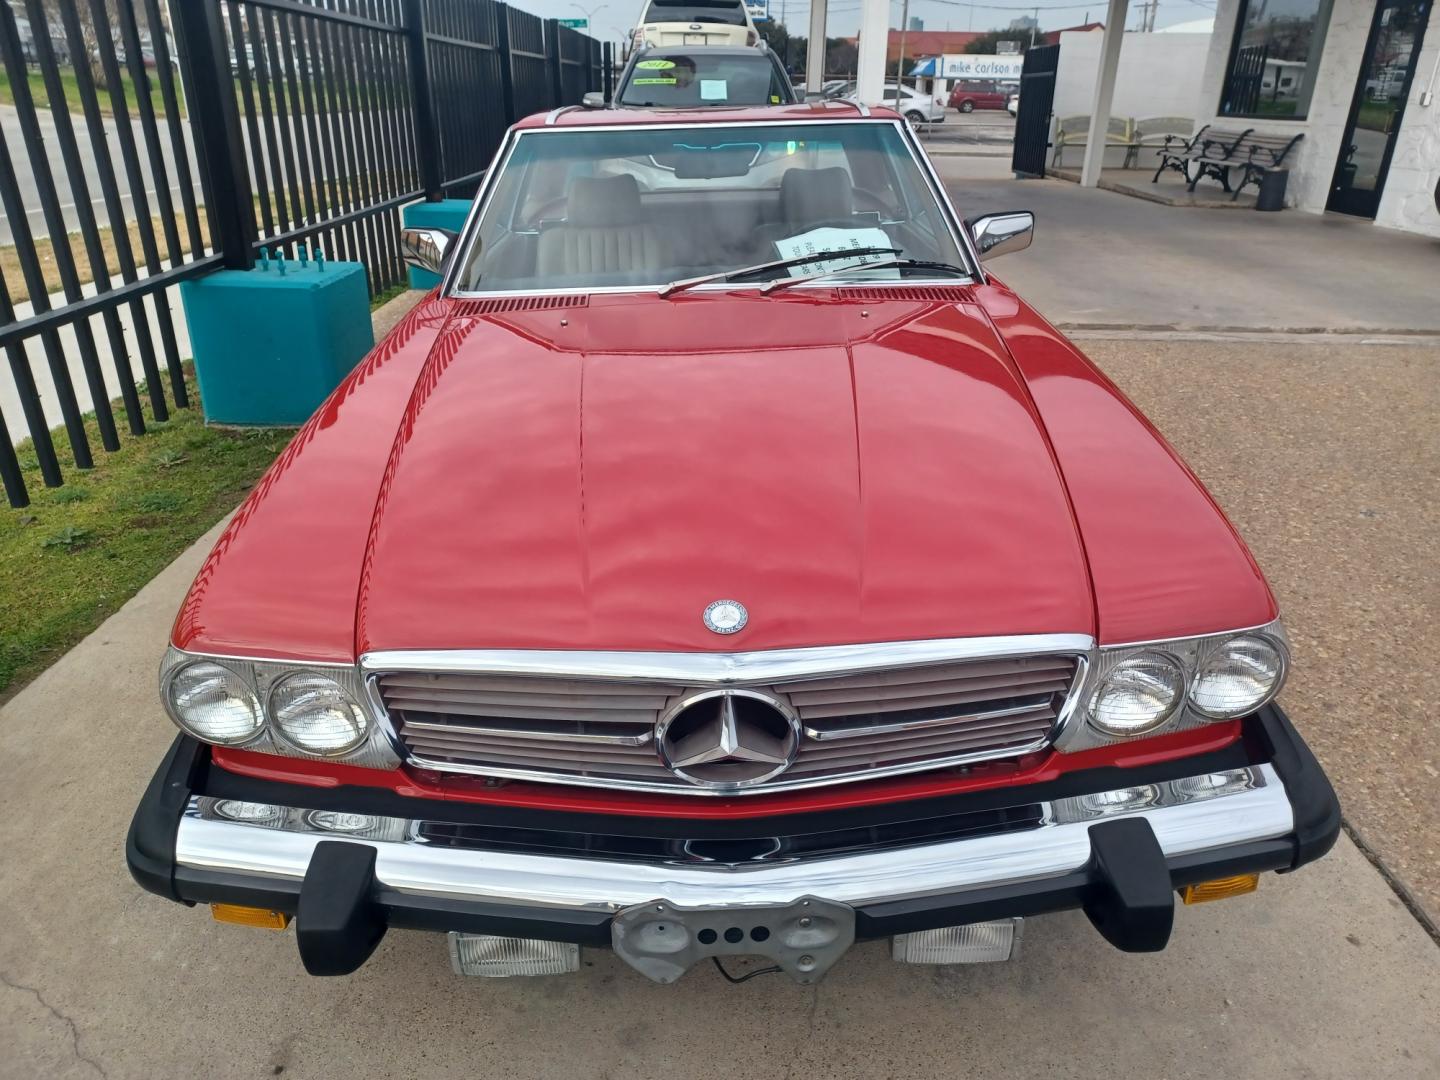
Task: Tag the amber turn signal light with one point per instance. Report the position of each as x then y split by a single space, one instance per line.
251 916
1220 889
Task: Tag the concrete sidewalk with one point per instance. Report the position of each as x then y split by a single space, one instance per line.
1106 260
1321 974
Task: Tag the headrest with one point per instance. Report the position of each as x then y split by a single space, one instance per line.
603 201
808 195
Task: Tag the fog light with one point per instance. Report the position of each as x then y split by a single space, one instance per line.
498 957
250 916
975 943
1220 888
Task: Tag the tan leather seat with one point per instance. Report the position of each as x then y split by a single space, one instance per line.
809 199
603 233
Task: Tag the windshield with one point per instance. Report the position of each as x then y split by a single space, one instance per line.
643 206
705 79
729 12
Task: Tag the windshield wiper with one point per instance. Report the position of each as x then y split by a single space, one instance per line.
780 264
885 264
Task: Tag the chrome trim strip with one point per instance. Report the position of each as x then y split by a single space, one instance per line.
1255 809
554 114
820 735
680 788
568 737
723 669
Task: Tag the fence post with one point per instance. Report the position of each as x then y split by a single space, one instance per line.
607 72
552 62
427 146
215 122
507 63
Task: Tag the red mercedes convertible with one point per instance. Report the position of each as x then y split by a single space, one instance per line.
722 563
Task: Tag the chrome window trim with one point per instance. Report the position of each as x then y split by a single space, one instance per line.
469 234
719 670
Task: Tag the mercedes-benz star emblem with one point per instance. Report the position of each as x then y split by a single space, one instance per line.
727 739
726 616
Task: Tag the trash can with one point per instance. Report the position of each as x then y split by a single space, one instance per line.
1272 190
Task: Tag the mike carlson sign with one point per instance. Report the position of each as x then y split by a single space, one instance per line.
980 66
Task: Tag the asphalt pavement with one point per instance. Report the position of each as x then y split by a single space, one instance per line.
1103 260
67 195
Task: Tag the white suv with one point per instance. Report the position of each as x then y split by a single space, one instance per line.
694 22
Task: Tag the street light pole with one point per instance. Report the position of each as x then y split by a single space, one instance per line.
900 68
589 14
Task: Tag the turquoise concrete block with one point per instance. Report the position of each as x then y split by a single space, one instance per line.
445 214
270 345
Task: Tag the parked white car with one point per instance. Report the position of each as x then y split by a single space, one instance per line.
1012 105
916 107
694 22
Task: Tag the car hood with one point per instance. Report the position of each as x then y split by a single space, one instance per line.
594 475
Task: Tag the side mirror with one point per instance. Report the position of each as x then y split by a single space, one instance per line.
594 99
427 249
1000 234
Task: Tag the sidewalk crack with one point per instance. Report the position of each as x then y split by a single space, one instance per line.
80 1055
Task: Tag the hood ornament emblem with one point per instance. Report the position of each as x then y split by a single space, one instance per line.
726 616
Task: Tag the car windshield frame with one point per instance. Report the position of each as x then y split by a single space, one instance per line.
469 237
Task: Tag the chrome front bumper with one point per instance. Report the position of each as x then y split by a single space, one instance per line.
350 863
1191 816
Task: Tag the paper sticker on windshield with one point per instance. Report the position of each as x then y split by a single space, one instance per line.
713 90
653 82
654 65
838 240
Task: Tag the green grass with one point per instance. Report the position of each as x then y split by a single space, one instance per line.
78 552
1375 115
102 94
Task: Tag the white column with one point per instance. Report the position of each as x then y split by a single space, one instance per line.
874 42
815 56
1104 92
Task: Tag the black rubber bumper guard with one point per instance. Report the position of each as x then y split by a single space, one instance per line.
1127 890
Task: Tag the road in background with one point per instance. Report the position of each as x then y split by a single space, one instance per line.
10 123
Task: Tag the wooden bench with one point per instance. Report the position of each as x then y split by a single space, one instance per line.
1158 133
1215 151
1075 131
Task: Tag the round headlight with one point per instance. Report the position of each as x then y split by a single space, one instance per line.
1238 678
214 703
315 714
1138 695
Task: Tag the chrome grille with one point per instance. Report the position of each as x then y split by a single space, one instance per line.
601 731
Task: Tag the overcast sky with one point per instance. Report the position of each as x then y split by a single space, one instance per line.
616 17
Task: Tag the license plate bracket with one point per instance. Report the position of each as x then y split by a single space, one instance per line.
805 937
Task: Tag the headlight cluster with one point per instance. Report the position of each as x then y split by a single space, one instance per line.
289 709
1174 685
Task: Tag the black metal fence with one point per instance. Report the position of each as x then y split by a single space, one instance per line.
1032 122
154 143
1240 95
